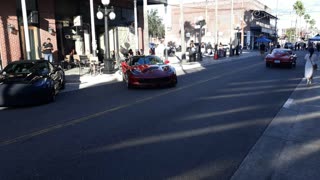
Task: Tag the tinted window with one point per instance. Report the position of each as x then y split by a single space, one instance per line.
148 60
26 68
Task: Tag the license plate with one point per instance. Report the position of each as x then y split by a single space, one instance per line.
276 61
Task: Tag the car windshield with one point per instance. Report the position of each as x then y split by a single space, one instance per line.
25 68
281 51
148 60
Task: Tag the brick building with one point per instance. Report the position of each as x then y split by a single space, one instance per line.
55 19
250 20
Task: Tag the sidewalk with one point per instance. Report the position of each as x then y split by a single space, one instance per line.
77 79
289 149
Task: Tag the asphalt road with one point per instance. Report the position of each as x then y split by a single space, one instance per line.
201 129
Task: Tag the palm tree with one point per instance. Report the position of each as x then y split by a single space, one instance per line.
312 22
307 18
300 10
156 26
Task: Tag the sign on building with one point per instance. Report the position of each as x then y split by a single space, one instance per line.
77 21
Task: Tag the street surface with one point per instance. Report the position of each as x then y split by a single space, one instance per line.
202 129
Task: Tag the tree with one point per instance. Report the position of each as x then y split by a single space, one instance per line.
312 23
156 26
307 19
290 33
300 10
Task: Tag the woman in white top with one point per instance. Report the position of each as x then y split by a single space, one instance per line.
310 61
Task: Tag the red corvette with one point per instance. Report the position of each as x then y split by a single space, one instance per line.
280 56
148 71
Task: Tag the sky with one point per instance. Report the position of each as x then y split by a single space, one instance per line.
282 8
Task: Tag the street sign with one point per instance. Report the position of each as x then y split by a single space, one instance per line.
77 21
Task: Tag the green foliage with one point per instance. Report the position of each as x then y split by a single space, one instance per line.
299 8
156 26
312 23
290 33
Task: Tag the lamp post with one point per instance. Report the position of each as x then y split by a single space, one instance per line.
201 22
106 13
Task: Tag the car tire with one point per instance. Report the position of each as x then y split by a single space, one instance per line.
63 83
267 65
174 84
127 82
52 96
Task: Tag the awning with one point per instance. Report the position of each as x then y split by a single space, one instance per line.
262 14
153 2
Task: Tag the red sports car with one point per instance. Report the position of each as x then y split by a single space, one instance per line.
281 56
148 71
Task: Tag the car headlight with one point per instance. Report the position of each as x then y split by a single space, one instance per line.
135 71
43 82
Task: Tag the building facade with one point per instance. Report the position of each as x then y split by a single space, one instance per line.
67 23
239 23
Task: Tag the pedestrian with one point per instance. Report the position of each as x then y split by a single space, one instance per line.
310 65
262 49
160 49
47 49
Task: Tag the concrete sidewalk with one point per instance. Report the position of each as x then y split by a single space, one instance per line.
79 79
289 149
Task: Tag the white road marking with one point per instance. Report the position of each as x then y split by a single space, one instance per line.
288 103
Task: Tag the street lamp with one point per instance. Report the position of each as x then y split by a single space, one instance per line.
201 22
105 12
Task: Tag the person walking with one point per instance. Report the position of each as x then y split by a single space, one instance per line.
262 49
309 66
47 48
160 50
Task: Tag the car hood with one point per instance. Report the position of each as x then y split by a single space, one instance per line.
18 78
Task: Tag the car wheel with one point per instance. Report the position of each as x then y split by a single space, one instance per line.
126 80
174 84
63 83
52 96
267 65
129 86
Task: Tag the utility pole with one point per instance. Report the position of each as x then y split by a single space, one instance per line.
206 16
26 29
146 27
183 43
216 22
166 30
93 31
136 26
231 27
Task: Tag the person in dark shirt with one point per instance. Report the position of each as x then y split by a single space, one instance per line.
47 48
262 48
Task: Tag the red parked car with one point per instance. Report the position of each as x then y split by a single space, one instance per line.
148 71
280 56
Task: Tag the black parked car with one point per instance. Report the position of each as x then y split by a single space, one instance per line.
29 82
